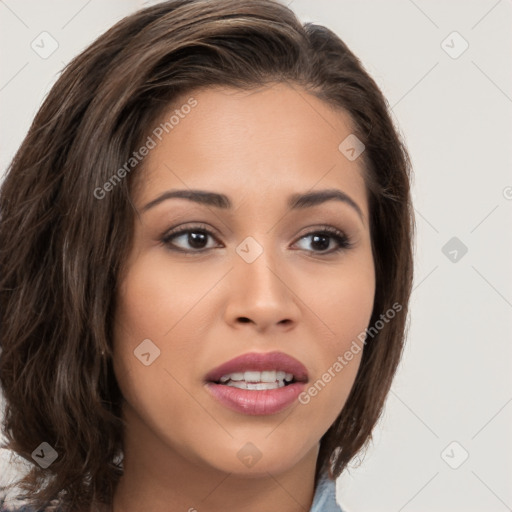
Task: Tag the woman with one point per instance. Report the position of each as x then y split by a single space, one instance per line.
206 264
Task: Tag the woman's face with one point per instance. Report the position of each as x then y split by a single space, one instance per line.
265 279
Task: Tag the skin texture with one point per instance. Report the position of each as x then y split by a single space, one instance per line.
300 298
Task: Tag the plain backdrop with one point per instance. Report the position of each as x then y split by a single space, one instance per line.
444 441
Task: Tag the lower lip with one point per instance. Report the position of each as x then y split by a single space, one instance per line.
256 402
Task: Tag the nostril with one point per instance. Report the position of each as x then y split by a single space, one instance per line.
244 319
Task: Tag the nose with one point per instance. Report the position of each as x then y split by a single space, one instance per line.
261 293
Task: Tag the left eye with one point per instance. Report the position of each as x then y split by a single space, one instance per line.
197 238
319 239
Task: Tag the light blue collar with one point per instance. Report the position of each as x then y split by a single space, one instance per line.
325 496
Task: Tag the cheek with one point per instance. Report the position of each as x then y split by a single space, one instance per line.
343 305
141 315
158 302
155 299
341 299
152 305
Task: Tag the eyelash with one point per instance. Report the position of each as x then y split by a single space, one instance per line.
344 242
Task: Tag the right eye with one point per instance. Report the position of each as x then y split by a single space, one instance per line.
195 236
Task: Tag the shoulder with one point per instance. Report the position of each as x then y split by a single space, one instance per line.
11 507
16 505
26 508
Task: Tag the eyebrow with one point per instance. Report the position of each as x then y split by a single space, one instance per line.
295 201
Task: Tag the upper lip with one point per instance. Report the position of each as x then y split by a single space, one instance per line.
258 361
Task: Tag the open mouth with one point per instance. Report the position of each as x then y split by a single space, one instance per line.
259 371
257 383
257 392
256 380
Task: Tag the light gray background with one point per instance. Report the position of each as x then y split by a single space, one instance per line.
454 383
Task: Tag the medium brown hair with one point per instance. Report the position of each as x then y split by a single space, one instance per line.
61 248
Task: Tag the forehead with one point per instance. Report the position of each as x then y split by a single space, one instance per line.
274 140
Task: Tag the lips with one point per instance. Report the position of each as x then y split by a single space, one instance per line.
260 362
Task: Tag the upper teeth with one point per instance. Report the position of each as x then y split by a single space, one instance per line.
252 376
